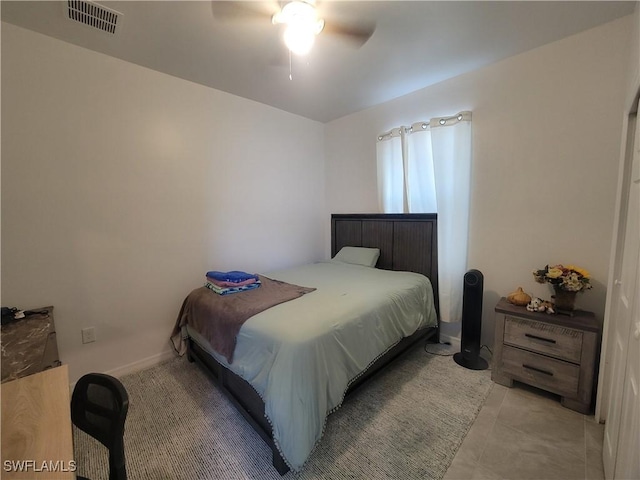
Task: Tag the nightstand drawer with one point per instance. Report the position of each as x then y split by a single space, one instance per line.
553 340
544 372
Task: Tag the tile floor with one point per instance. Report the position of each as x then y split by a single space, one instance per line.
524 433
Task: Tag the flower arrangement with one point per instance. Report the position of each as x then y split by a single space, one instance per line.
569 278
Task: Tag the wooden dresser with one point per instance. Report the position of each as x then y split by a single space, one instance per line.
557 353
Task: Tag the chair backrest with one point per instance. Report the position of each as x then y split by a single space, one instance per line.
99 406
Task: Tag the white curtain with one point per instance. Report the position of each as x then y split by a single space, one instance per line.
391 174
426 168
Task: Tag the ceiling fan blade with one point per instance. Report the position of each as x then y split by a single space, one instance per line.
356 34
243 11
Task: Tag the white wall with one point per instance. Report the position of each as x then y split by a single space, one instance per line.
546 127
633 70
122 186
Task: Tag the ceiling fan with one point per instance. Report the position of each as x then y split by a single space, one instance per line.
301 20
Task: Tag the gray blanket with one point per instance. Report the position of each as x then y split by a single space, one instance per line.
218 318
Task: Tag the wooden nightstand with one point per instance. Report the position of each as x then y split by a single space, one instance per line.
557 353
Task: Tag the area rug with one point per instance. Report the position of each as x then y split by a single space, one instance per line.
407 423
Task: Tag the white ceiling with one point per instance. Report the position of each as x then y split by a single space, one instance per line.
415 44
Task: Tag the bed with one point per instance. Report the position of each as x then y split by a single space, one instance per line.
286 381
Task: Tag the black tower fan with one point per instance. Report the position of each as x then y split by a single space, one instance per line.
469 355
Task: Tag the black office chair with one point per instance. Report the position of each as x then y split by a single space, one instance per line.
99 406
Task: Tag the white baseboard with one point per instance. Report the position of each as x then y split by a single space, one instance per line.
142 364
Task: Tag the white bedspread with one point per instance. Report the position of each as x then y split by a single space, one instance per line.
301 356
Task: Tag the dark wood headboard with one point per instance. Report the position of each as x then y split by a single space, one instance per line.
407 241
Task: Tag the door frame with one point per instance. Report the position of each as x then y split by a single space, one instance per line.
622 199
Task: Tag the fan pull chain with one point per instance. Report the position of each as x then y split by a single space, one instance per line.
290 74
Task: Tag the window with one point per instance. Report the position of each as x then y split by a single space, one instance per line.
426 168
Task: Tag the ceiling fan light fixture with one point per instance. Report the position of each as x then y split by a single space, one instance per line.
299 40
302 25
297 11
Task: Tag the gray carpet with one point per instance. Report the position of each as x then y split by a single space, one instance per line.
407 423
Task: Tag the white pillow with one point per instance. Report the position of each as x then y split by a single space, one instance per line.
358 256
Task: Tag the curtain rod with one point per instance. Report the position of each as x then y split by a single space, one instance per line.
434 122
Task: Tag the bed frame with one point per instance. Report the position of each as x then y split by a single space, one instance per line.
407 242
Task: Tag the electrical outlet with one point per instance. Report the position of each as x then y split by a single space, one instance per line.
89 335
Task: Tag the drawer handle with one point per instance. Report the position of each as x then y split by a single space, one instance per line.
535 337
539 370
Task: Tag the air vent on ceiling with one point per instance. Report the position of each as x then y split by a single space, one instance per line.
93 15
